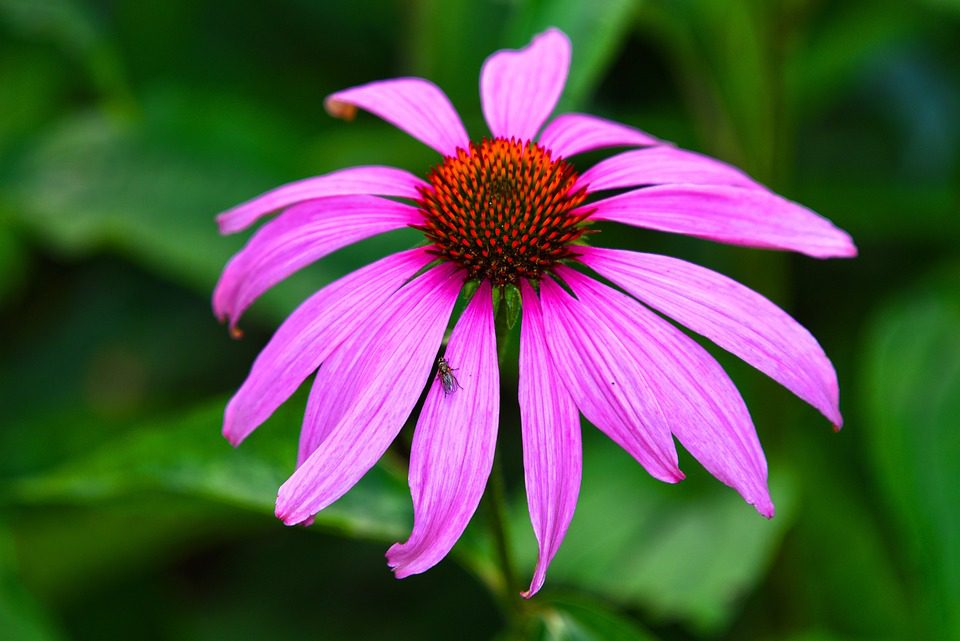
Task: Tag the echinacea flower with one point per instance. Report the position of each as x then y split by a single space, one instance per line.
510 211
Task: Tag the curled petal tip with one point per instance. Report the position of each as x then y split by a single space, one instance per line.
535 585
340 109
283 513
396 565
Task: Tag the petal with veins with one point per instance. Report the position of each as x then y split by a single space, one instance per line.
452 451
733 316
550 427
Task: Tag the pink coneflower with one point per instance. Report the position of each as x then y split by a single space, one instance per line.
510 212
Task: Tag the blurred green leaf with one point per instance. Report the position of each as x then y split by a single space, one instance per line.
84 547
150 189
448 42
74 28
568 620
187 455
21 617
832 54
96 182
452 39
31 85
597 30
912 396
837 563
14 262
689 552
722 51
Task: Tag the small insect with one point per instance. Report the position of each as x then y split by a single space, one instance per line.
448 381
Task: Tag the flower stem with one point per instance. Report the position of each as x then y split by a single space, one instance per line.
497 512
496 496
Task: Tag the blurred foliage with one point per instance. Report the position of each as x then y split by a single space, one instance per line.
125 126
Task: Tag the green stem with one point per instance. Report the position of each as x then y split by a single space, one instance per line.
497 511
496 495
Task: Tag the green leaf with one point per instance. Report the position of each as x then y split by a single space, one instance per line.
150 189
21 617
689 552
567 620
514 304
14 262
833 54
186 455
74 28
912 396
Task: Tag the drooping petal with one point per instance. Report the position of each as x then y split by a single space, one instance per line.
310 334
750 217
734 317
607 386
373 181
414 105
571 134
519 88
659 166
550 426
301 235
705 410
386 376
452 451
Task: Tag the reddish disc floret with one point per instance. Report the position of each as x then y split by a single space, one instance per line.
501 210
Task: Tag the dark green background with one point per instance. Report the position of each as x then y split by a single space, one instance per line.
126 125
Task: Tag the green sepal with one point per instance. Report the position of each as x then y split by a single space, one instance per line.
511 294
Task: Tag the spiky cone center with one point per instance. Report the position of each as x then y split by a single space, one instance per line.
501 210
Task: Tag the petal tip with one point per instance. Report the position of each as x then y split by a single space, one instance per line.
230 432
339 109
535 584
225 223
398 564
556 34
289 516
765 507
835 418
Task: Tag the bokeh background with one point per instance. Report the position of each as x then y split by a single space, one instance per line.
126 125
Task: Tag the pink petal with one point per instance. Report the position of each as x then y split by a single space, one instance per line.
331 395
414 105
310 334
385 377
734 317
662 165
519 88
376 181
571 134
299 236
453 445
550 425
706 411
605 383
750 217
